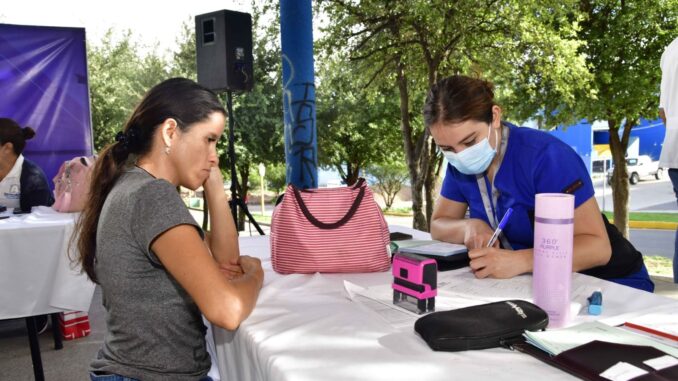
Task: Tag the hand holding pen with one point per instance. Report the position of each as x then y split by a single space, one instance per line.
489 261
499 229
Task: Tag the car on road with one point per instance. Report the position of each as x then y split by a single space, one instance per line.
638 168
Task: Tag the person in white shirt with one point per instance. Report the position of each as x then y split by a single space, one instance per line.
23 184
668 111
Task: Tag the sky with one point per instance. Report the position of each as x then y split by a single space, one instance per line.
151 22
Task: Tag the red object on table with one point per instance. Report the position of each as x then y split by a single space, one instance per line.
649 330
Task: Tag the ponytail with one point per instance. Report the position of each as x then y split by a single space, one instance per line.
107 170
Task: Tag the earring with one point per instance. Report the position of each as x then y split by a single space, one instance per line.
167 150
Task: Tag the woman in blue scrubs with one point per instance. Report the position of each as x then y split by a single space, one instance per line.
493 166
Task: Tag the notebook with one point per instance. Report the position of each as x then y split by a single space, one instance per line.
431 247
448 256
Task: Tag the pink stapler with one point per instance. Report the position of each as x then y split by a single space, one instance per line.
415 281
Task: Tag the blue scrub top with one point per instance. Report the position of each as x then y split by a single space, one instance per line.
534 162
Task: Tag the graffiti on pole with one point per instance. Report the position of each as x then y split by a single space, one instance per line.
300 129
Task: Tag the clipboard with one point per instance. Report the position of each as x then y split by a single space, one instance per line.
448 256
589 360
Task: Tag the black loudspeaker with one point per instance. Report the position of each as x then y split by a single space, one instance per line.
224 50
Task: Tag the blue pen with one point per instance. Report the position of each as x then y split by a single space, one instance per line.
501 226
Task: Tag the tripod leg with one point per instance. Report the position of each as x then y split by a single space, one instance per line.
249 215
235 199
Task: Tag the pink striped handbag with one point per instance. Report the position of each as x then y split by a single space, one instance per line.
329 230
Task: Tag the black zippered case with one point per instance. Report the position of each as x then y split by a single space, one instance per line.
480 327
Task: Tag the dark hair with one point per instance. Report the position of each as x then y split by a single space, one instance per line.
181 99
457 99
11 132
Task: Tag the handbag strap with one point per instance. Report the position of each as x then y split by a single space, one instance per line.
344 220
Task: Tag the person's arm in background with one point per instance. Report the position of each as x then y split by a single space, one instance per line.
662 115
35 190
591 246
222 239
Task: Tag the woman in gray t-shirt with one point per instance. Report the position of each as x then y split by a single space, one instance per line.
157 270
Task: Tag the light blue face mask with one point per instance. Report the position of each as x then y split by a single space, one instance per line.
475 159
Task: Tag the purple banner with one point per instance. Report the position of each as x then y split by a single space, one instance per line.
43 84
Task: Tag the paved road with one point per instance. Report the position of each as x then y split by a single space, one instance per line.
651 195
652 242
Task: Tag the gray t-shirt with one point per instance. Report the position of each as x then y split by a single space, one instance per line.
155 329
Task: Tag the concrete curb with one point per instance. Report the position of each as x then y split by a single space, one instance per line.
653 225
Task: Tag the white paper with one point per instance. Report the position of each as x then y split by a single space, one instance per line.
661 339
622 371
381 304
662 362
559 340
664 322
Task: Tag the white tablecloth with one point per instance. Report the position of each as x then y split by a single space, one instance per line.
305 328
36 274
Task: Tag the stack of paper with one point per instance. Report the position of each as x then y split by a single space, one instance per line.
556 341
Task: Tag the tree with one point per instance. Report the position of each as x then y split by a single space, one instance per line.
118 77
276 175
184 62
409 44
258 113
624 42
355 125
390 179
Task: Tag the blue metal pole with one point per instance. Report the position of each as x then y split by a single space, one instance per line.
301 149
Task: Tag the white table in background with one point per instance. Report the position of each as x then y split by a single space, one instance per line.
305 328
36 273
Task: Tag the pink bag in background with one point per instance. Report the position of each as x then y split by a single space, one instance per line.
71 184
329 230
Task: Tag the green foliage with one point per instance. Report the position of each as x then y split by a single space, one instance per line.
357 127
119 75
276 176
184 63
390 178
624 41
258 114
528 47
537 64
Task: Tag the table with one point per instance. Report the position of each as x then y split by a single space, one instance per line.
36 274
305 328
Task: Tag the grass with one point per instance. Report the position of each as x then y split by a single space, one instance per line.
657 265
645 216
404 211
264 219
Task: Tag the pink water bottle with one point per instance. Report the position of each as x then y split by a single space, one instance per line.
552 273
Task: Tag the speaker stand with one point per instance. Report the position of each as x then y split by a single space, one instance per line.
236 201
